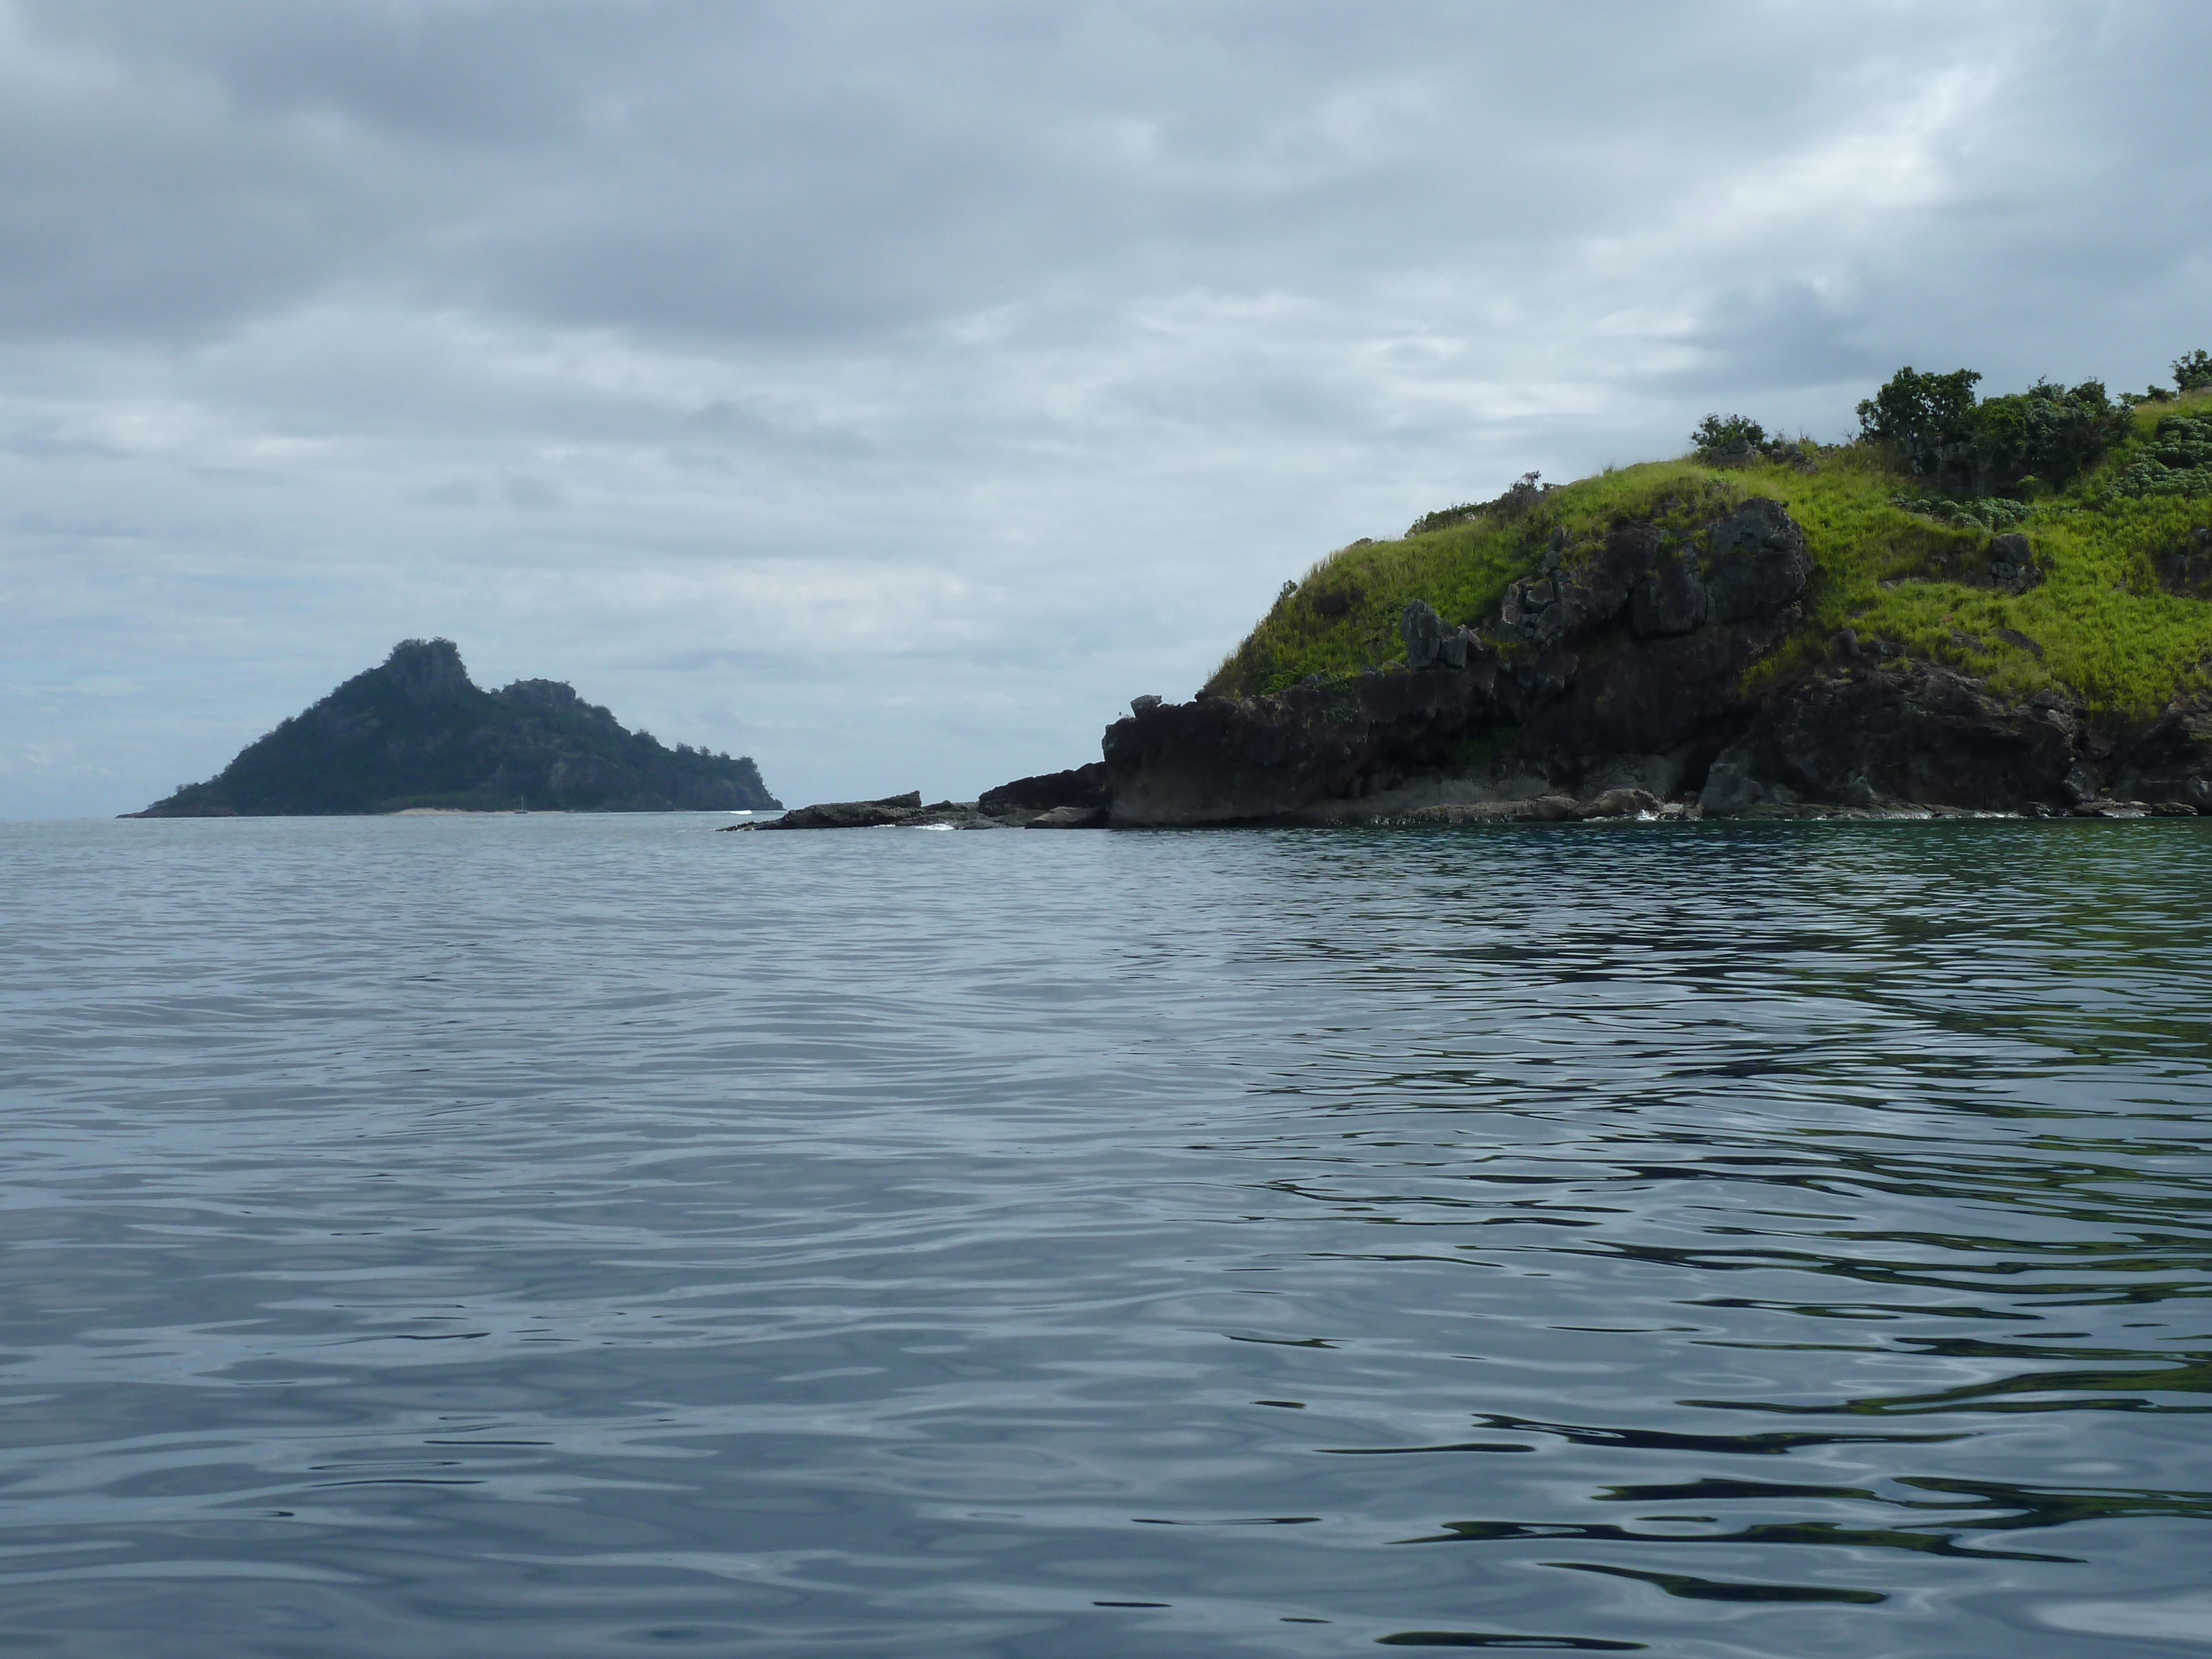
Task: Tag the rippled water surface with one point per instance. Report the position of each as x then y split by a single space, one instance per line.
594 1236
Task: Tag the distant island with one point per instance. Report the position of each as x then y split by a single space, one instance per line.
417 734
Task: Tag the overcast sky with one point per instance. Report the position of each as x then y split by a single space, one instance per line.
890 391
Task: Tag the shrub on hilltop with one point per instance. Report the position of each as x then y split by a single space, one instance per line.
1520 495
1721 440
2048 434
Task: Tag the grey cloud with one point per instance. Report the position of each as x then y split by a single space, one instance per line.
742 173
424 71
675 346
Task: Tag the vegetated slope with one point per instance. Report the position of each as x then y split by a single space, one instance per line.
2119 614
416 732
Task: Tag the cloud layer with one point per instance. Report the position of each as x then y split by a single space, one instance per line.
890 391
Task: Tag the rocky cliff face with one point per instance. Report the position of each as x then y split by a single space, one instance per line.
1617 674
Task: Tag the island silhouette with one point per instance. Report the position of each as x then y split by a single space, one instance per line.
416 733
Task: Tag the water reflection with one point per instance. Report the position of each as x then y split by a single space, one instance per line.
593 1235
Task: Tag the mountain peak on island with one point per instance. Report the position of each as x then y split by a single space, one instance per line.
416 732
426 671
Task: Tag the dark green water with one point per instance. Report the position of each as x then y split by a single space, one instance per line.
588 1237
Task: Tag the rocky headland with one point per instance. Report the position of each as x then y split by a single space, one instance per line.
1993 605
1619 680
415 733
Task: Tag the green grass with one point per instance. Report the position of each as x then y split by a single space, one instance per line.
2108 633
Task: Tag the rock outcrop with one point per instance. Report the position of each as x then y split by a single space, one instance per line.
1618 668
1898 731
847 814
1011 806
1079 786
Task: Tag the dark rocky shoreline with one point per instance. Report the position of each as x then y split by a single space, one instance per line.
1613 685
1054 801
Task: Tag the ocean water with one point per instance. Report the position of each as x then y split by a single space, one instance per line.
582 1236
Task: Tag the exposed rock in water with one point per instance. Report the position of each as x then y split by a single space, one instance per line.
1032 802
416 732
1620 804
1069 817
848 814
1080 786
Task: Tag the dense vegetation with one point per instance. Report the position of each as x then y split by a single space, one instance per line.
2114 496
2046 436
416 732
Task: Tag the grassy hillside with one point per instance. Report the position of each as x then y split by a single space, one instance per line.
2105 623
